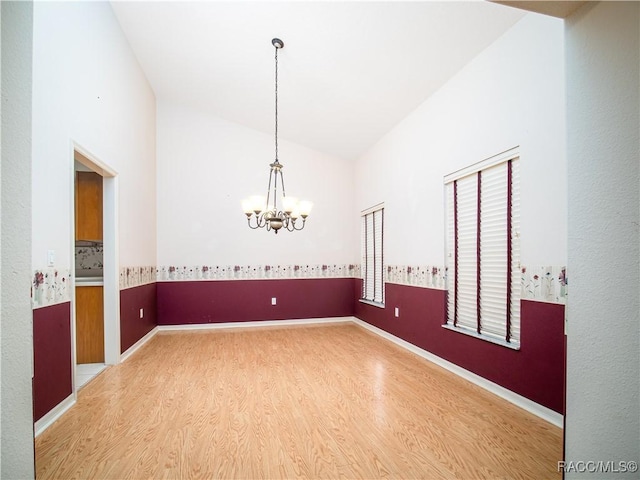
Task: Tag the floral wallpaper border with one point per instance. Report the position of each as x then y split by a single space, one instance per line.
544 284
50 287
251 272
416 275
135 276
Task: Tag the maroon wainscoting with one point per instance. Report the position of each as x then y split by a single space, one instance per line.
247 300
536 371
52 366
132 327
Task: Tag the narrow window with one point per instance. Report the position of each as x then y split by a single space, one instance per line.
483 249
372 254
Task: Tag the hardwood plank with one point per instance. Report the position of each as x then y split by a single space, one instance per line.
331 401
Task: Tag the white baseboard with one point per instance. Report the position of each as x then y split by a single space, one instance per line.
133 348
264 323
518 400
54 414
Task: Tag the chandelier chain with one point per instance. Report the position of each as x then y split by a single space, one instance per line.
276 103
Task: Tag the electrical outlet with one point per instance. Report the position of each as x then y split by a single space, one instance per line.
142 313
397 312
273 300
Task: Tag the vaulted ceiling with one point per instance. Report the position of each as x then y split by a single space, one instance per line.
348 73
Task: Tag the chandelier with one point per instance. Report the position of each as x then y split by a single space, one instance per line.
276 210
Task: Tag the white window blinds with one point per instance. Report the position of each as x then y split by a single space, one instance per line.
467 246
493 251
483 251
515 289
372 255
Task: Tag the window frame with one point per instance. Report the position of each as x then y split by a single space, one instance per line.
511 324
364 256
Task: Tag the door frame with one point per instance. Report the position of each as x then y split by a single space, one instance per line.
111 265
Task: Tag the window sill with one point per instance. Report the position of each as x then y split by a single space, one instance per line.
372 303
486 338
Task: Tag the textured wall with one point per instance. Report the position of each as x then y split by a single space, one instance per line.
52 362
603 347
89 88
132 327
16 420
511 94
207 165
249 300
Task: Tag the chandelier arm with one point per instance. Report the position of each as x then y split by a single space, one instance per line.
301 227
292 224
258 225
264 222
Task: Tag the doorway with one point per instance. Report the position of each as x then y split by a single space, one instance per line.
96 303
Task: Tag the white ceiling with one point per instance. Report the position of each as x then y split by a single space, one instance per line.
349 71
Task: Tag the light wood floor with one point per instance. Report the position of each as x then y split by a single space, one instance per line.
332 401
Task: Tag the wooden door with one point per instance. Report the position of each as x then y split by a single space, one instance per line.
89 325
88 206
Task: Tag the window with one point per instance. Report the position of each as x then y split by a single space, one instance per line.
372 254
483 249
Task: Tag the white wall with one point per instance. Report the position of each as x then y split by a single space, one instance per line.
88 88
511 94
207 165
16 420
603 344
